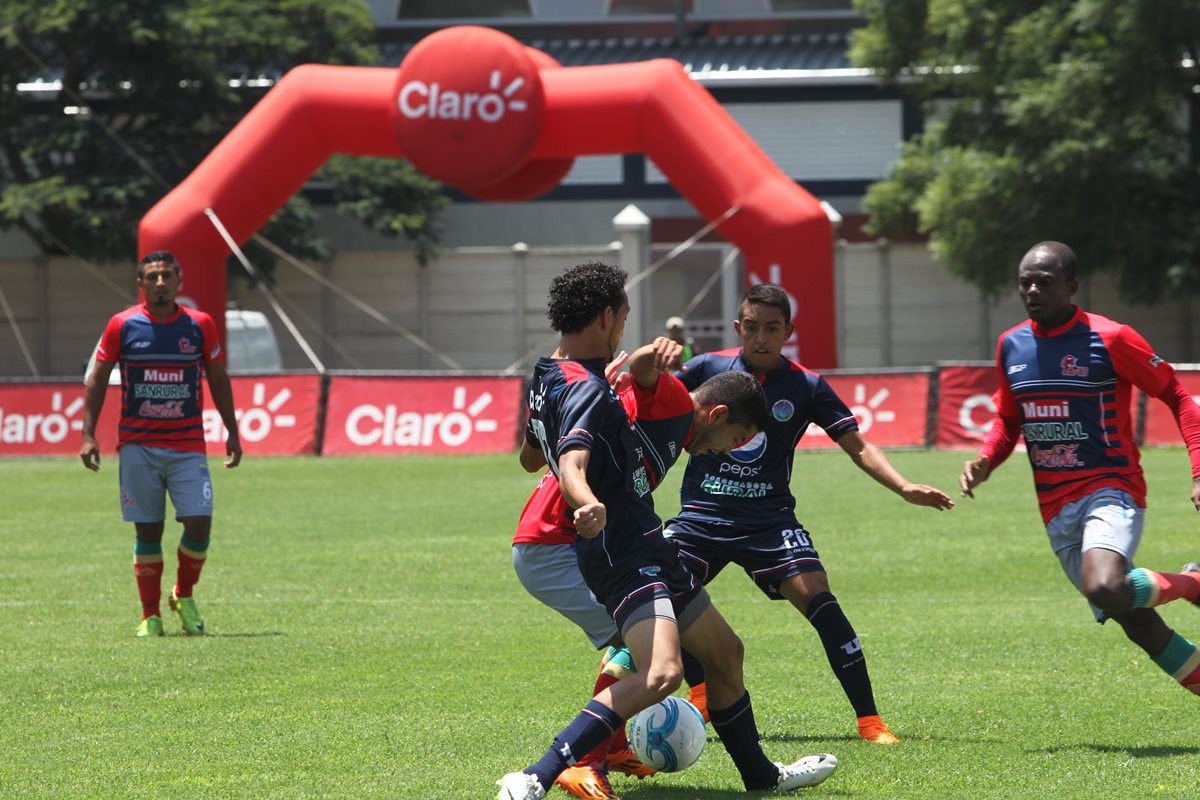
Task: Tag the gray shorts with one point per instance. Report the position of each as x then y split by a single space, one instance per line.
149 473
1108 519
550 573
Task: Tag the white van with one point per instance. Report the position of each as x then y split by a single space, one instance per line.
250 346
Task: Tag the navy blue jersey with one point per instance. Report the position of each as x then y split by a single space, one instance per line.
750 485
571 404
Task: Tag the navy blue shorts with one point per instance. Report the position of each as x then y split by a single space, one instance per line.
769 554
626 575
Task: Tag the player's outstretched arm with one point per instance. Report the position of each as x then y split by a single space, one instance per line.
221 389
93 404
650 361
872 460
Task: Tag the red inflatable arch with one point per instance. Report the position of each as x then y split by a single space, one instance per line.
476 109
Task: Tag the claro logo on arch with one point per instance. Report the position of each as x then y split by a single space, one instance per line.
420 100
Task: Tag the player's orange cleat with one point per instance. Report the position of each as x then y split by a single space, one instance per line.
698 696
586 782
625 762
875 730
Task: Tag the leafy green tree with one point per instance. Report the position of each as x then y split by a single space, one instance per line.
148 87
1073 120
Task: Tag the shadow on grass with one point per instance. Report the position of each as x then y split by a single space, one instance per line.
646 790
1132 752
248 635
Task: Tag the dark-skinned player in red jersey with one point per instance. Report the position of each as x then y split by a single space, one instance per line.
739 507
164 350
577 420
1066 381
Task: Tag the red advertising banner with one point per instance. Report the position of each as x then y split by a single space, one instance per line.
891 408
1160 425
44 419
442 414
965 408
277 416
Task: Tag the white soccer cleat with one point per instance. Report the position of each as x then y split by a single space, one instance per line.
808 771
520 786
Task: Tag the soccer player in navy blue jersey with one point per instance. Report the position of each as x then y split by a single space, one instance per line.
1066 385
164 350
577 421
667 419
739 508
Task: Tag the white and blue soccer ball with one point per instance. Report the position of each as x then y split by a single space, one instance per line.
668 736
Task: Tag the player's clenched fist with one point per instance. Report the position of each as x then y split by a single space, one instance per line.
590 519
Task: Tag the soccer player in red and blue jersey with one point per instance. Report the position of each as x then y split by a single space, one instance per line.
163 349
1066 381
577 421
739 507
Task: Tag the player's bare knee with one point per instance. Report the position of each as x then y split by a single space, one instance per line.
197 528
664 679
1109 592
725 661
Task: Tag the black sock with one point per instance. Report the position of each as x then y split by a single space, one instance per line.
844 652
595 723
735 725
693 670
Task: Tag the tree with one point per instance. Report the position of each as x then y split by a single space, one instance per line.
1073 120
148 87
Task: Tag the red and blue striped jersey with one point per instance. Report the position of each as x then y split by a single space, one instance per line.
162 363
1070 390
751 484
661 420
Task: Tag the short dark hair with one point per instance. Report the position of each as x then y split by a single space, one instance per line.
1052 253
766 294
581 293
159 257
739 390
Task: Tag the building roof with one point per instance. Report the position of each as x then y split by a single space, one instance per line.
741 60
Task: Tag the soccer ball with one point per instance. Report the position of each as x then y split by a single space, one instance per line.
668 736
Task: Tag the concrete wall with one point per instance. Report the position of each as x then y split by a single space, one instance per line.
484 307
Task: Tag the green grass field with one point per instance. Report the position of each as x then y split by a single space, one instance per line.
369 640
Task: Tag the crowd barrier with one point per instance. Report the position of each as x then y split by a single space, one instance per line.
356 413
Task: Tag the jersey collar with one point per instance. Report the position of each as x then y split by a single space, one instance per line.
156 320
1061 329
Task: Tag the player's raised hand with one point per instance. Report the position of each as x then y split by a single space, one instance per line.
977 471
668 354
921 495
590 519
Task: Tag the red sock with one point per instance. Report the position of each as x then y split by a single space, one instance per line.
1176 586
149 583
599 755
189 573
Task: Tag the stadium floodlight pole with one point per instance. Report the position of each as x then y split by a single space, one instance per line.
262 286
